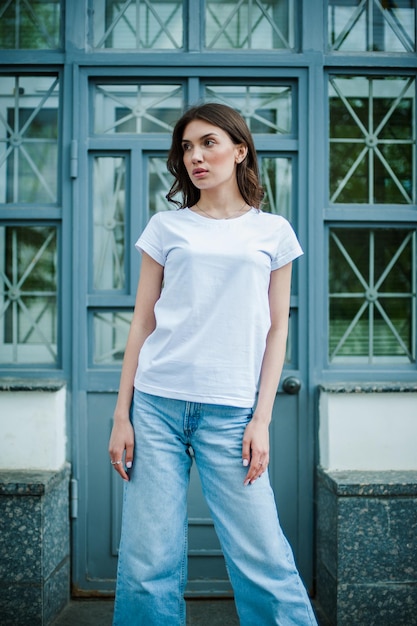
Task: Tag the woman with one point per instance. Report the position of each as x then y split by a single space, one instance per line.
209 331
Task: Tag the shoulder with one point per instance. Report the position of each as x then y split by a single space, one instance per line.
170 215
273 222
169 219
270 218
163 219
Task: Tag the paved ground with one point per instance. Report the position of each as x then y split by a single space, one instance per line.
199 613
100 613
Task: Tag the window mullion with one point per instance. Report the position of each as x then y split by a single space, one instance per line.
193 14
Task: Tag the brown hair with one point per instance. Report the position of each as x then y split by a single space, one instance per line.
247 172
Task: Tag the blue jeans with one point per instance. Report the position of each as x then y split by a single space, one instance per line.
152 569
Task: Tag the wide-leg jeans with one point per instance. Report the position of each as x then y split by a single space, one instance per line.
152 568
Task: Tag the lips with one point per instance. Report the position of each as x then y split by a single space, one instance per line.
199 171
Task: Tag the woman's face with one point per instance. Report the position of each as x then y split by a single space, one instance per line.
210 156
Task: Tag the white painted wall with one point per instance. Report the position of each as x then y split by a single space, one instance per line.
32 430
368 431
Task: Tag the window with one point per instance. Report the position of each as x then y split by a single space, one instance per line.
28 294
136 108
371 25
372 275
266 108
30 24
109 193
110 331
29 165
372 140
372 290
159 24
259 24
138 24
29 139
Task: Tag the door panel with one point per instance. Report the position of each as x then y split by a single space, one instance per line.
104 495
284 462
207 571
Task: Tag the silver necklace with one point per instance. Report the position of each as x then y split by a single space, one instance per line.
221 218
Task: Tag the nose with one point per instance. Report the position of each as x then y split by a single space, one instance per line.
196 155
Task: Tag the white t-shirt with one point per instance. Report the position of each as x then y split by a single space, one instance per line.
212 317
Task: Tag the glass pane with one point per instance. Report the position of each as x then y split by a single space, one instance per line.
30 24
262 25
372 140
372 290
290 350
110 336
138 24
276 173
109 211
265 109
137 108
28 294
372 25
28 139
159 183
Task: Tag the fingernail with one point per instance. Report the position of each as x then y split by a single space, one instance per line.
129 464
245 462
246 483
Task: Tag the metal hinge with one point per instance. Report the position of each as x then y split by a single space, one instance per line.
74 159
73 498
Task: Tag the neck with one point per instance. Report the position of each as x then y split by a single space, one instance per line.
217 214
221 205
221 197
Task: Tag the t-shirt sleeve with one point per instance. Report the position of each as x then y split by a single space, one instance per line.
150 240
288 247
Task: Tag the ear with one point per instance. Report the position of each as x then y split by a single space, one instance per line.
241 152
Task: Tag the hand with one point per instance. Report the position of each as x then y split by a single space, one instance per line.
122 441
255 449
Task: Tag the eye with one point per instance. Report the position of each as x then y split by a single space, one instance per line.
186 146
210 142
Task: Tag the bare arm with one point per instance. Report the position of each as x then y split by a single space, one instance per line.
143 323
255 449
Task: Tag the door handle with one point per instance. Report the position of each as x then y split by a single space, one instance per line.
291 385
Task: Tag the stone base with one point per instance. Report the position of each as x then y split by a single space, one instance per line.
34 546
367 547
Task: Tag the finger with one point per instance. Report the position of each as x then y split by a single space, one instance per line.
124 474
118 465
129 455
256 469
122 471
252 474
245 453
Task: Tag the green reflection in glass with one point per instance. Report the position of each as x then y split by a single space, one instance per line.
30 24
371 25
372 291
372 140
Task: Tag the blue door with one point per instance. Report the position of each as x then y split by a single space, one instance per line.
125 125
